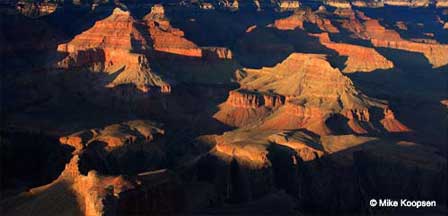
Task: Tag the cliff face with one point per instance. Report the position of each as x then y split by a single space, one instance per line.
303 91
257 161
166 38
299 17
247 99
338 3
412 3
113 45
359 58
92 182
251 148
382 37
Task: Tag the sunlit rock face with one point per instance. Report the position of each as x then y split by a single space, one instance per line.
319 92
288 5
166 38
360 59
382 37
96 180
288 160
415 3
338 3
115 46
299 17
276 108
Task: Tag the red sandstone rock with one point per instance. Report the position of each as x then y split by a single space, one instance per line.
338 3
109 47
299 17
360 59
251 146
382 37
114 136
166 38
312 91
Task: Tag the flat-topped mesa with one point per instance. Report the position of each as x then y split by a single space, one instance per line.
299 17
166 38
313 91
360 59
113 45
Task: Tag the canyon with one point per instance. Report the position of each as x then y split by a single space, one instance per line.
222 107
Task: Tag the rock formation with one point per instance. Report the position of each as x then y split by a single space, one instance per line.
287 5
299 17
82 188
273 125
258 161
303 91
382 37
252 146
36 9
113 136
338 3
166 38
113 45
412 3
359 58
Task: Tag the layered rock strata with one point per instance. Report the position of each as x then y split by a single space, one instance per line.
303 91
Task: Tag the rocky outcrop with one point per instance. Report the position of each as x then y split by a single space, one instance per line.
113 45
288 5
88 186
313 92
289 160
247 99
433 52
166 38
36 9
252 147
359 58
114 136
244 106
382 37
216 53
338 3
411 3
170 40
299 17
367 3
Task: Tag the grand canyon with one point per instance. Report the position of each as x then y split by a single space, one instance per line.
223 107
